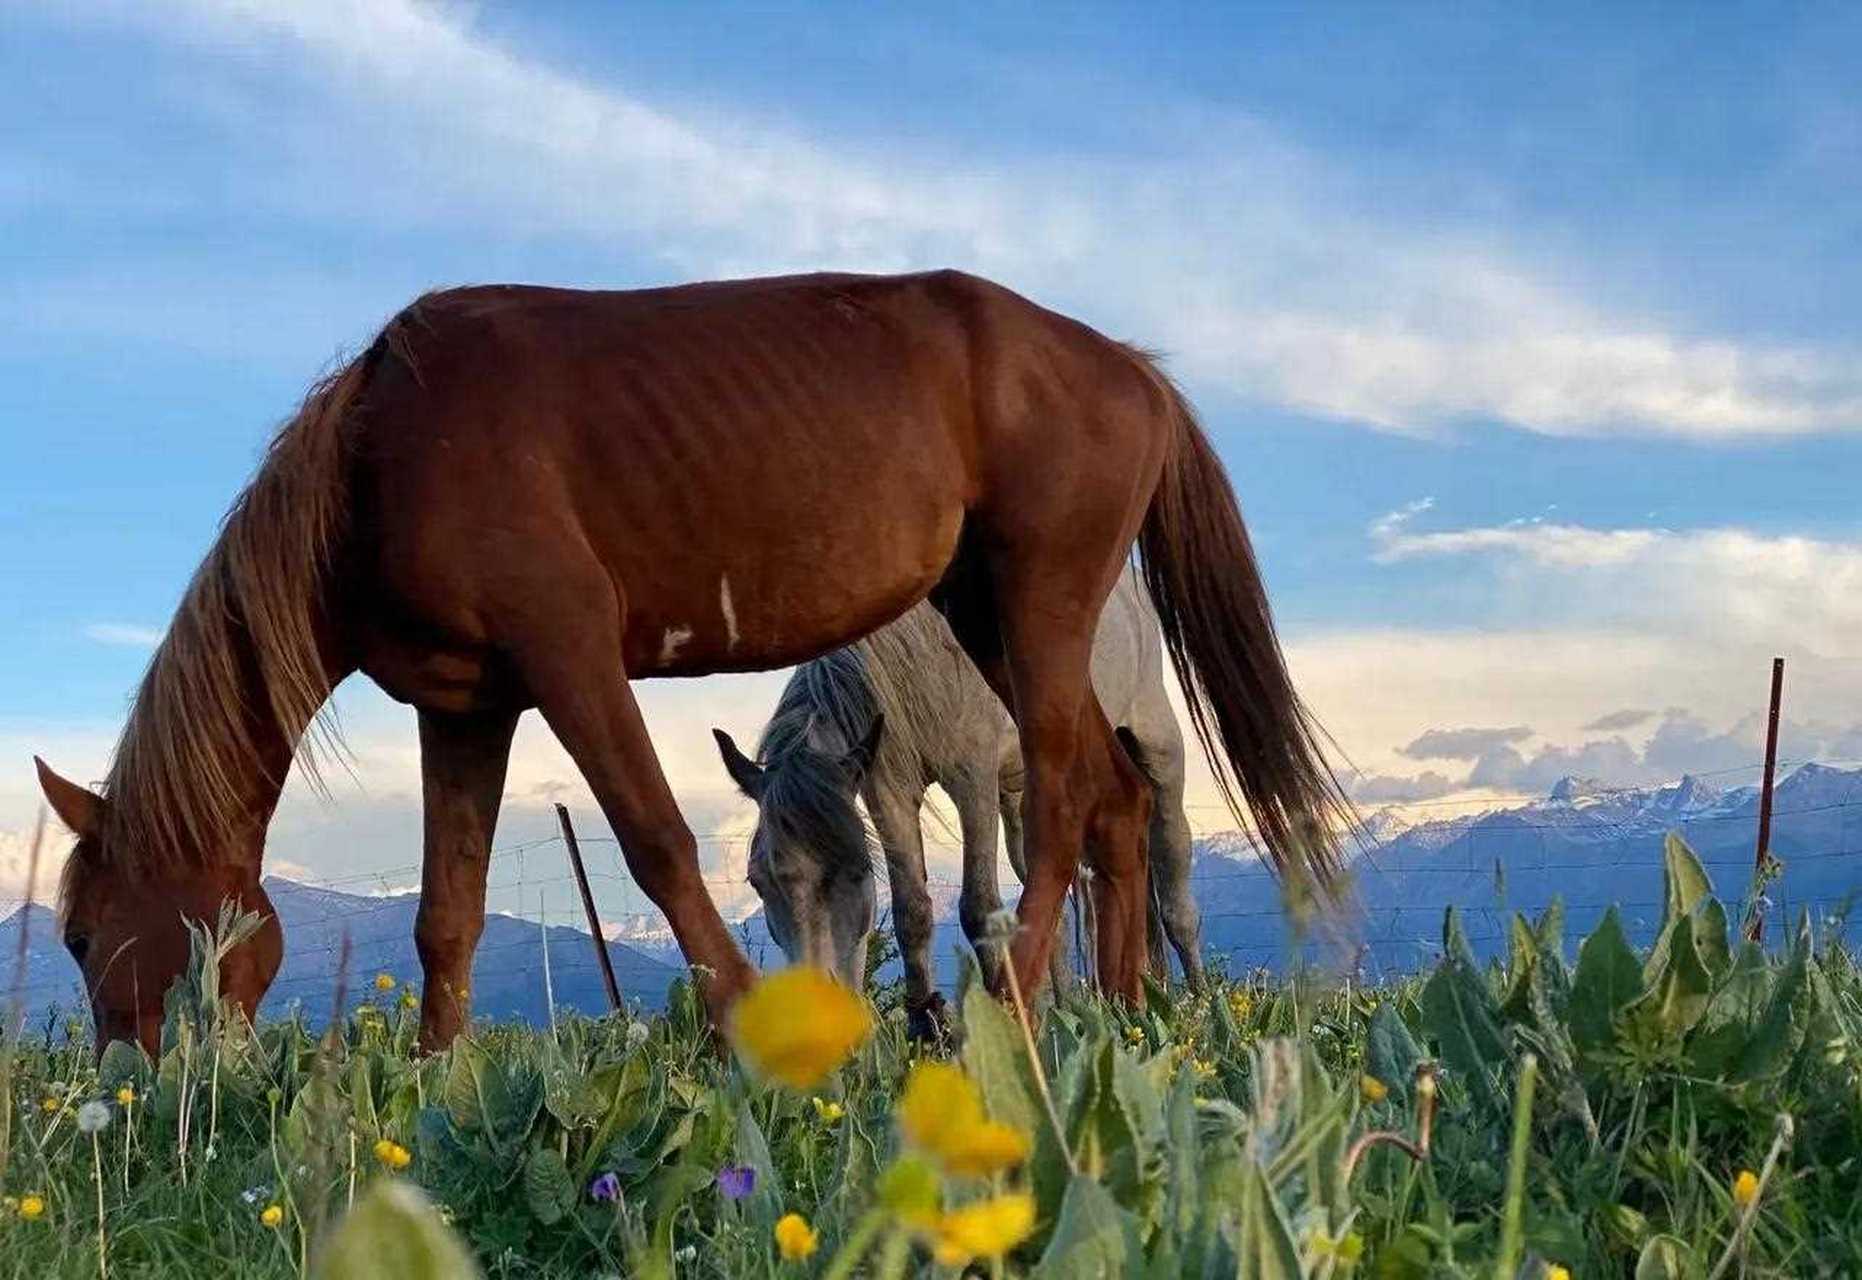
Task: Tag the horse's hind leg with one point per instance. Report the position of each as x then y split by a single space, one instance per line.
574 671
1171 854
462 766
976 797
1031 637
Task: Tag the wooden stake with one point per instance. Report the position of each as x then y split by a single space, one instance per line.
588 905
1765 787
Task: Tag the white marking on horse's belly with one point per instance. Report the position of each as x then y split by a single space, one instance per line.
729 612
669 645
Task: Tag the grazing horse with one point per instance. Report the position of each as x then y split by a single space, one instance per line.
523 497
809 856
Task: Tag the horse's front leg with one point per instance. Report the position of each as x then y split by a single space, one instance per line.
462 765
894 811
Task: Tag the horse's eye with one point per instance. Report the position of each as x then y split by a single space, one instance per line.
77 944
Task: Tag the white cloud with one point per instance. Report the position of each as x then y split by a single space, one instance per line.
1263 272
127 635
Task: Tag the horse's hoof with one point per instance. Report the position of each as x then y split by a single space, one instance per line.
929 1023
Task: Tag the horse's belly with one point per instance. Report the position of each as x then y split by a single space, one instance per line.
779 601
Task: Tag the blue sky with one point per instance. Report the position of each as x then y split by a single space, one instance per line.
1587 280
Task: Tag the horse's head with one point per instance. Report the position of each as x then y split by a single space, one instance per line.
124 923
809 859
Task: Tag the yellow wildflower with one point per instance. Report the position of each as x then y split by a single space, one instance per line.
942 1114
392 1155
31 1207
1351 1248
125 1096
1204 1068
384 982
1135 1034
272 1215
986 1229
1745 1188
828 1112
799 1025
1373 1089
795 1239
50 1105
1555 1272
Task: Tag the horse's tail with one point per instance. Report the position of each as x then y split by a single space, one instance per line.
1262 744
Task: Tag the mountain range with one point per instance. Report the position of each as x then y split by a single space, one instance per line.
1587 843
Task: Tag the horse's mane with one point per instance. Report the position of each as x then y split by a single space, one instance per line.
829 706
248 621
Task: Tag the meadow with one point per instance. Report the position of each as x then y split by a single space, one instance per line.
1689 1110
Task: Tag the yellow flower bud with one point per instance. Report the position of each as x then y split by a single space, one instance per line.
1373 1089
272 1215
125 1096
31 1207
1745 1188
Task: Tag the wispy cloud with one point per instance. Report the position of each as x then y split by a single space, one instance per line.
128 635
1262 270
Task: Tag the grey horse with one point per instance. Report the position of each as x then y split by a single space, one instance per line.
888 716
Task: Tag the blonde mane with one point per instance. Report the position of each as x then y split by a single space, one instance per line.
247 622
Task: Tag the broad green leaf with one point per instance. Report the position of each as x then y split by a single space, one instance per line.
1608 978
1665 1258
1681 991
996 1056
1391 1053
1773 1039
393 1233
1092 1239
1458 1012
548 1189
1265 1240
1710 937
1684 886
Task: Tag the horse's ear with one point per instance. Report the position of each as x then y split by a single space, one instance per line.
77 808
860 759
745 772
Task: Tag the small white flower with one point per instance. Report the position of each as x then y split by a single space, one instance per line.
93 1117
686 1253
637 1034
252 1195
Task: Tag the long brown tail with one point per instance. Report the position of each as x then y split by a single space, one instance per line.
1261 742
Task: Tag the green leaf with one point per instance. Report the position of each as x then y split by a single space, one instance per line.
996 1056
1093 1237
393 1233
1681 991
1774 1038
1459 1013
548 1188
1391 1053
1665 1258
1710 937
1609 977
1685 885
1265 1240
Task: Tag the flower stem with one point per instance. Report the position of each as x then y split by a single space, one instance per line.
848 1256
1512 1224
103 1263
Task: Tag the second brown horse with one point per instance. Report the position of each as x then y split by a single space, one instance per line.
525 497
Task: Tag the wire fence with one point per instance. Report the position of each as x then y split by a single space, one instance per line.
1487 856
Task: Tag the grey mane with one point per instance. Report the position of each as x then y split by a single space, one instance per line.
827 709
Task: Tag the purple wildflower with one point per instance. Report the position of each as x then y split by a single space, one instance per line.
736 1181
605 1187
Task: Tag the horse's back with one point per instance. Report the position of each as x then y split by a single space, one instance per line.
759 470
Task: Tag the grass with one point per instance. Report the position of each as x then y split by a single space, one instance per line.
1588 1108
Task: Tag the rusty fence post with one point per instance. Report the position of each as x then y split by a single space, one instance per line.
588 905
1763 853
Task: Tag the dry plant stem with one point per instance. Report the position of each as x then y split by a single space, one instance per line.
1425 1127
103 1265
1034 1059
1750 1213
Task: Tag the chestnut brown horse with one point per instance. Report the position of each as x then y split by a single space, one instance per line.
525 497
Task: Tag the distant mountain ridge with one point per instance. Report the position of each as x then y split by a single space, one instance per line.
507 973
1591 844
